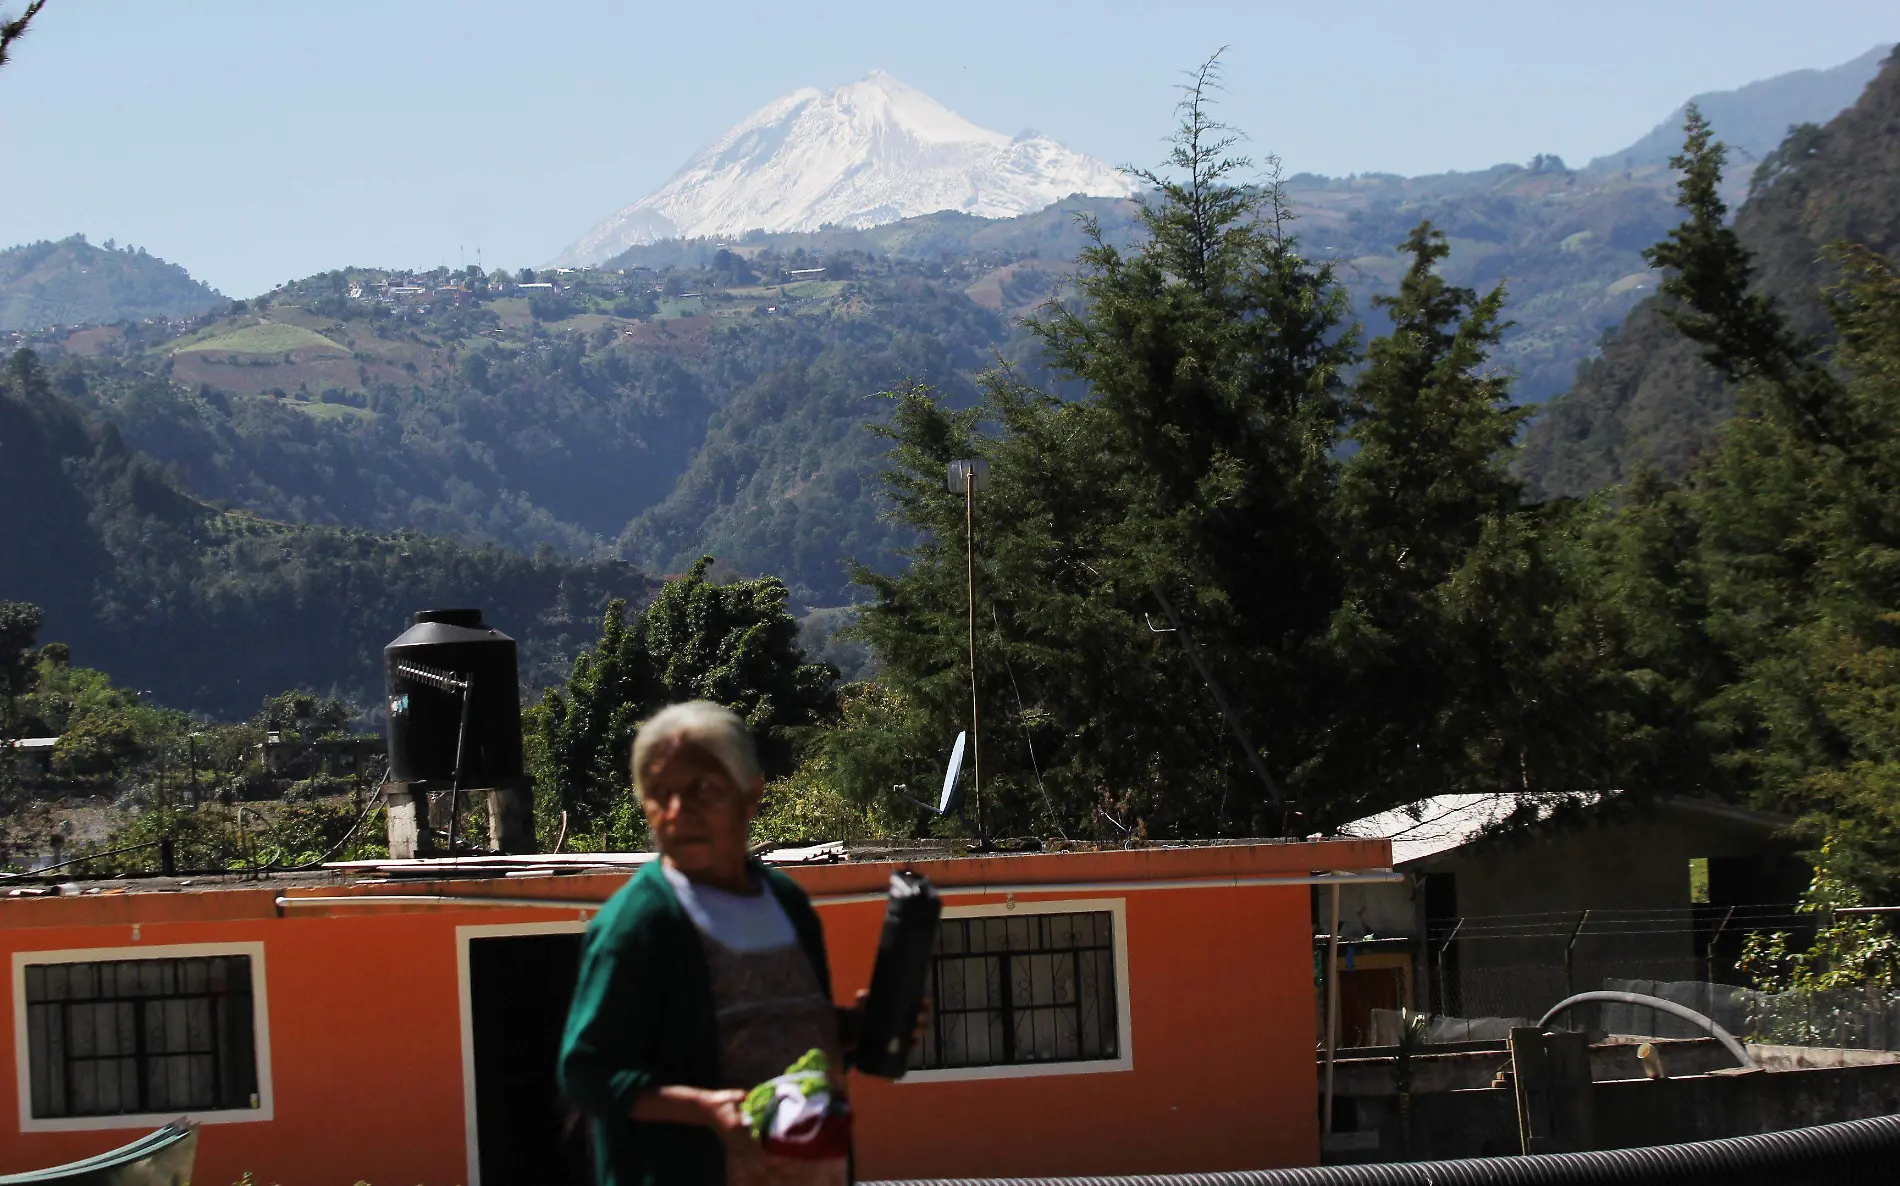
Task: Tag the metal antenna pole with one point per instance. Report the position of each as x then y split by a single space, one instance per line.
1332 1017
969 538
461 749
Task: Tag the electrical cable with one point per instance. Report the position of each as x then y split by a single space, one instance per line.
1022 720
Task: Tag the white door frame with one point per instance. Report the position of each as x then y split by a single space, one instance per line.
470 1118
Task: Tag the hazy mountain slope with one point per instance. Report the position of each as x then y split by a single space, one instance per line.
784 479
1755 118
72 282
1650 399
730 421
212 611
870 152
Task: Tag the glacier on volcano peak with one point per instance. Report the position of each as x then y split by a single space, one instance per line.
858 155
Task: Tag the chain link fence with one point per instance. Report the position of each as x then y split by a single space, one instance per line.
1520 965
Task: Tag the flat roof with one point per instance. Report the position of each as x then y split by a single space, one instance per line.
1442 823
829 872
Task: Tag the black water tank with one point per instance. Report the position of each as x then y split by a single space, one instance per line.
424 717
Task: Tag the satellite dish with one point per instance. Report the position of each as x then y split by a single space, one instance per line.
971 473
948 798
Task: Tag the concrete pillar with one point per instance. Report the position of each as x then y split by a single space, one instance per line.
408 807
414 822
511 819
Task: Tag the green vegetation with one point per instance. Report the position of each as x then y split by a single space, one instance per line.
1398 619
204 607
1244 567
72 283
1650 400
184 794
616 413
1382 626
265 338
734 644
462 414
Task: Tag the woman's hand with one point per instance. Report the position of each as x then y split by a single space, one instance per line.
851 1023
717 1109
724 1115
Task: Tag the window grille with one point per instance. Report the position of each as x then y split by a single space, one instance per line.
1022 988
135 1037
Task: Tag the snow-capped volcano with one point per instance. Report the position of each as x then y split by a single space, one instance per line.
858 155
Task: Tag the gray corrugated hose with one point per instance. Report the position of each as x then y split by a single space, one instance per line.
1826 1155
1661 1005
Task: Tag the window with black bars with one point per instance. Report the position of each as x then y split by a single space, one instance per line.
131 1037
1022 988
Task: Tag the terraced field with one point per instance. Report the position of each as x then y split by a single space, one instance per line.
266 337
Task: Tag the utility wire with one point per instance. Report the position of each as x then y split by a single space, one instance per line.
1023 722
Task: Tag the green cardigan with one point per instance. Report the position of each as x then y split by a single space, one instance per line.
642 1018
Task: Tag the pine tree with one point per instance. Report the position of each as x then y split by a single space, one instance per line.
1796 540
1194 478
1425 503
12 29
1708 272
732 644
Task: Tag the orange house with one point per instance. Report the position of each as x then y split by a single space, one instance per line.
1114 1012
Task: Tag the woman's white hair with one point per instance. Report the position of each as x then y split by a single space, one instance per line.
711 728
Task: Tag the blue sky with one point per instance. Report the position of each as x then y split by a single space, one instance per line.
258 140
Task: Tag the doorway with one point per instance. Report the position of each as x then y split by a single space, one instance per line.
519 986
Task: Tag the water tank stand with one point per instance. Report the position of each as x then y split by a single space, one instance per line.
511 818
408 807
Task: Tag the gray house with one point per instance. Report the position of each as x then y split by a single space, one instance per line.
1510 903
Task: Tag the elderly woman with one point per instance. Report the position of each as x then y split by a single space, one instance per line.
703 976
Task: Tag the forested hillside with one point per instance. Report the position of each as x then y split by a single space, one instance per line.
1650 399
212 611
72 282
597 417
704 399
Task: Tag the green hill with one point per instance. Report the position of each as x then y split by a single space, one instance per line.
1649 399
213 610
263 338
73 283
602 417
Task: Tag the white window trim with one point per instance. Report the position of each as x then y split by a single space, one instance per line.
471 1126
260 1037
1125 1040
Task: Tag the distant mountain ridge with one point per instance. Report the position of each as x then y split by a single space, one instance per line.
73 282
859 155
1649 400
1753 119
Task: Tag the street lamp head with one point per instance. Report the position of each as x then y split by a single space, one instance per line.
970 473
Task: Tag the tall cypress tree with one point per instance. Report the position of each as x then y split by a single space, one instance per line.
1425 504
732 644
1195 477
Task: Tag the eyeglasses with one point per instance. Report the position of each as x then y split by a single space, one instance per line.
695 795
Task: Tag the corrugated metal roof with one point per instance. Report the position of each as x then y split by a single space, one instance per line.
1444 822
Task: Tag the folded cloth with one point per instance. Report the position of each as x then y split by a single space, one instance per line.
797 1114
